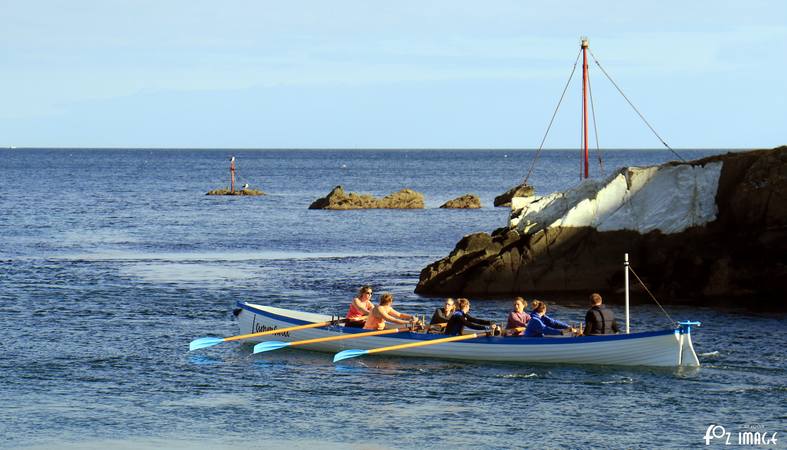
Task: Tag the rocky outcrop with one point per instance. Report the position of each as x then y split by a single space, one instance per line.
522 190
251 192
706 231
338 199
467 201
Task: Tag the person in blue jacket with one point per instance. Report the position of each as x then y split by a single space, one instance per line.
540 324
461 319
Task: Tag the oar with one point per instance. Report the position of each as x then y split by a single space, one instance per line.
346 354
211 341
275 345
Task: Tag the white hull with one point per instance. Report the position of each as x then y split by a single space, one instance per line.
668 348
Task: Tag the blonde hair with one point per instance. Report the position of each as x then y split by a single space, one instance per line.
538 306
520 299
595 298
386 299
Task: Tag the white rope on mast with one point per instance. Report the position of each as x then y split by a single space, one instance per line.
541 146
634 107
674 323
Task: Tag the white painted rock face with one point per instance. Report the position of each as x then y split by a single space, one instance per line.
665 198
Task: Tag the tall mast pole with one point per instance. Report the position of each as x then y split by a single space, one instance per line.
585 98
232 174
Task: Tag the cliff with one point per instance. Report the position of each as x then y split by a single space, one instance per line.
699 231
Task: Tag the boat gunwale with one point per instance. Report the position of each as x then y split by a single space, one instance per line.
489 340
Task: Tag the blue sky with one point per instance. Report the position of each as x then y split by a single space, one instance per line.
374 74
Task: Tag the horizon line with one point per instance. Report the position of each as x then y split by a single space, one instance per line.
381 148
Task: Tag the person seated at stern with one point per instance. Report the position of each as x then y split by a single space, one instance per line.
540 324
360 308
517 318
461 319
599 319
441 315
384 312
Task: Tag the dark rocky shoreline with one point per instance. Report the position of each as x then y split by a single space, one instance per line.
739 258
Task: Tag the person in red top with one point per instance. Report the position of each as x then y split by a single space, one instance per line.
360 308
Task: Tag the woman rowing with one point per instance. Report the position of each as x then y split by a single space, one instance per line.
441 315
540 324
384 312
360 308
461 319
517 318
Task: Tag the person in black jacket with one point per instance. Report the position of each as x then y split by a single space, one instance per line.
599 320
441 316
461 319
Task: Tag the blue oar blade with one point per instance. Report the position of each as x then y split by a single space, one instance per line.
204 342
347 354
269 345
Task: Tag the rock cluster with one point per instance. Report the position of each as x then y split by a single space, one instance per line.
252 192
467 201
338 199
732 250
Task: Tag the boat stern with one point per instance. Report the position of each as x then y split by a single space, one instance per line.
686 355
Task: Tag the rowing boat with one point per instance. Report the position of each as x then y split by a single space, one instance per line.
666 348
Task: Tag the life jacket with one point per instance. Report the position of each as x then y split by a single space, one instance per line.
603 320
456 324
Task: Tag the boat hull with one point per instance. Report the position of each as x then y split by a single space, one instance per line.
664 348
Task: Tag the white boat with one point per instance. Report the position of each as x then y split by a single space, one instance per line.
665 348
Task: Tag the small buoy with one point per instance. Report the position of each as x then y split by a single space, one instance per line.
505 156
344 166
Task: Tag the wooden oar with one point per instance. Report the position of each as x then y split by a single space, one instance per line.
346 354
275 345
211 341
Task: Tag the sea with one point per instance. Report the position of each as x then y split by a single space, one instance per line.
113 260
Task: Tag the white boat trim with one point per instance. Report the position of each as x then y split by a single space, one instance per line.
665 348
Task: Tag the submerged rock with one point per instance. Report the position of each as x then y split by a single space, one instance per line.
251 192
338 199
704 230
467 201
522 190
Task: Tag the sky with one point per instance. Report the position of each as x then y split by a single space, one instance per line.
383 74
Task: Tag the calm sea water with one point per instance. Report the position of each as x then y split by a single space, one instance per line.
111 261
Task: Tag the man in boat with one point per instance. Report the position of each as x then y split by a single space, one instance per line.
599 319
384 312
360 308
540 324
461 319
517 318
441 316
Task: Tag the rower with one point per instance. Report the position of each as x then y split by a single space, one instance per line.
360 308
441 316
461 319
540 324
384 312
